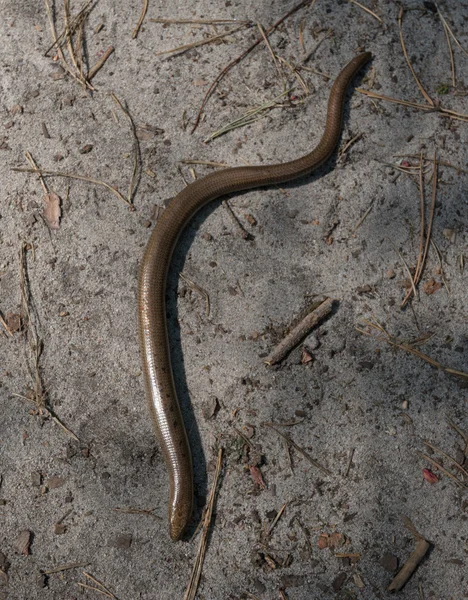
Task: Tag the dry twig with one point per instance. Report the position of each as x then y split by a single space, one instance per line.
300 331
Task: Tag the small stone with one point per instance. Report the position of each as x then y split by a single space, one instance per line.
86 149
259 586
55 482
16 109
123 541
59 528
211 408
4 563
36 479
389 562
390 274
339 581
22 543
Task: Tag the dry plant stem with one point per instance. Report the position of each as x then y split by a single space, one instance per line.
368 10
410 566
300 331
452 62
411 349
136 150
200 290
198 21
5 326
247 118
448 457
98 66
460 433
424 235
421 89
66 567
104 590
61 55
69 38
141 19
74 176
237 224
207 163
443 112
439 467
242 56
276 519
301 451
33 164
209 40
451 32
198 565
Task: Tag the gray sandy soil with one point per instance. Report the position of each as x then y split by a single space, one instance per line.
360 407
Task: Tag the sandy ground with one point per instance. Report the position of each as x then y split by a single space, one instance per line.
360 407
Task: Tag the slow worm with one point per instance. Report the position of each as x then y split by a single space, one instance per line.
159 380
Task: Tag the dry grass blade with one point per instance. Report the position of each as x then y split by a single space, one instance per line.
452 62
237 224
438 466
208 40
368 10
448 457
102 589
408 270
447 26
419 84
276 519
75 176
136 151
252 115
144 9
443 112
301 451
5 326
208 163
237 60
198 565
363 218
65 567
199 21
373 325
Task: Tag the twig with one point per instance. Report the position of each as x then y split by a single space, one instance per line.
422 546
301 451
100 63
200 290
237 60
419 84
198 565
300 331
141 19
5 326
